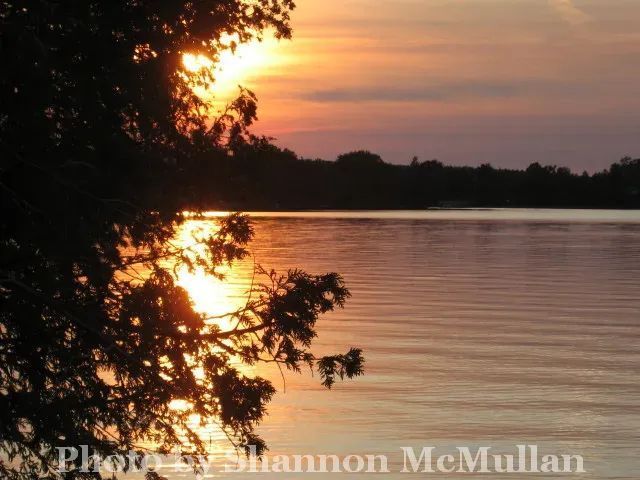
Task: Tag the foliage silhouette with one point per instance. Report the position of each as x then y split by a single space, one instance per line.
98 130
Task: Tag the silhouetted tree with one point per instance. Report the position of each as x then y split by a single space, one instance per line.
99 133
360 158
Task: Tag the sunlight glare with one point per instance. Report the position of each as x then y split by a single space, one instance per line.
210 296
233 68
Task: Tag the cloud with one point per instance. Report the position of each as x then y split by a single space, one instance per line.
441 93
569 12
411 94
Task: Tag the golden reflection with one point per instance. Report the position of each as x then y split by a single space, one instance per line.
210 295
214 298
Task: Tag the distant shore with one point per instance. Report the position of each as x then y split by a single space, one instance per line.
277 179
560 215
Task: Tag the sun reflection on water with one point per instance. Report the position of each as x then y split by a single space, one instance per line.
214 298
211 296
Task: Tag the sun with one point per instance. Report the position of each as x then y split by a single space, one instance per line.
194 63
234 67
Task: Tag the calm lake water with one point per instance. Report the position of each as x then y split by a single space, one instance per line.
480 328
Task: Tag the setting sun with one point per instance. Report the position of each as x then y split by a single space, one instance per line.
194 63
233 67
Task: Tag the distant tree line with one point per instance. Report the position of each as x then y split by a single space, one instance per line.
262 176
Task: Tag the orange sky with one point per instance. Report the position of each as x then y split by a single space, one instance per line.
466 81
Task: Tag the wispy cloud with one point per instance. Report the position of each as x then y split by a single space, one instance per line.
569 12
445 92
388 93
362 73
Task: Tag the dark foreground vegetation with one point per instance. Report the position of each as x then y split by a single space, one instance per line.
98 122
262 176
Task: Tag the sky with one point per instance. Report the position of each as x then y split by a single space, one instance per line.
507 82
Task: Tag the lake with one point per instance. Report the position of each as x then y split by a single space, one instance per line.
479 327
